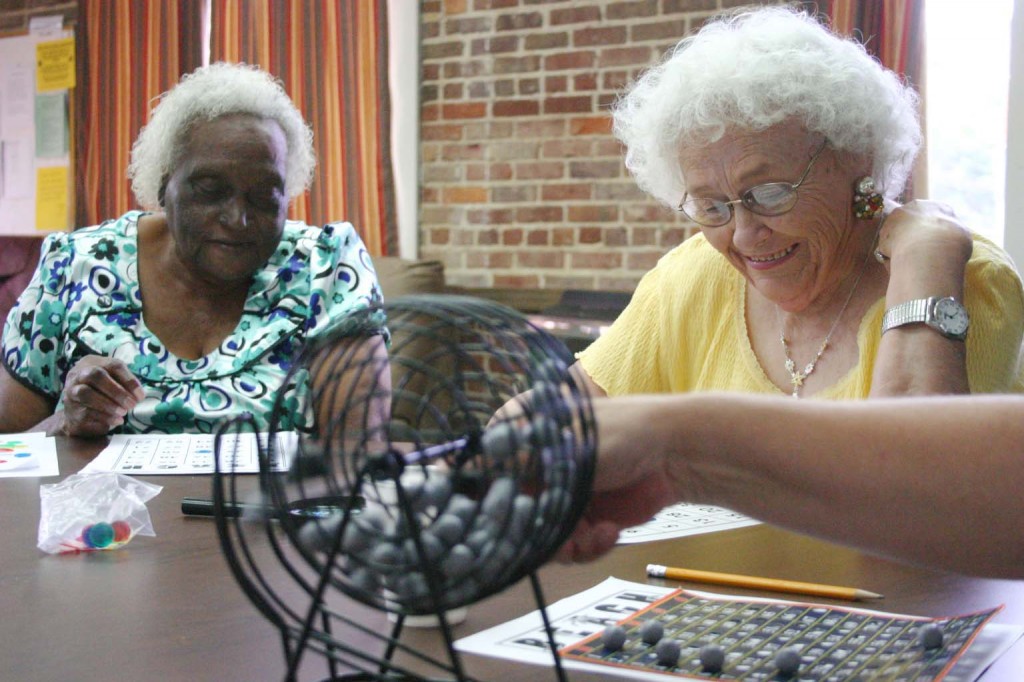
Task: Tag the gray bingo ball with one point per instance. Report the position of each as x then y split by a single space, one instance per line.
667 651
787 660
712 658
652 631
613 637
930 635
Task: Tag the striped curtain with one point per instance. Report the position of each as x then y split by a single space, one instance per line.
893 32
127 53
331 56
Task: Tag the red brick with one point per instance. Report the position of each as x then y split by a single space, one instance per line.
570 60
430 72
499 45
562 149
441 50
659 30
575 15
430 112
505 87
440 235
593 214
462 238
584 81
430 29
540 259
550 192
465 195
462 152
487 237
604 102
454 90
513 195
479 89
624 191
539 170
591 235
556 84
644 260
632 10
674 6
674 236
650 212
567 105
592 125
539 214
603 260
614 80
608 146
465 69
529 86
527 64
538 237
428 93
563 236
546 41
518 22
467 25
516 281
626 56
617 236
539 129
441 173
595 169
590 37
493 4
512 237
468 110
428 195
490 216
454 6
500 259
516 107
644 236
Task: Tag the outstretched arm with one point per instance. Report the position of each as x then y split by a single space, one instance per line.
932 481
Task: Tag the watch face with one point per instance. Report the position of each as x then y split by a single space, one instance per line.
951 316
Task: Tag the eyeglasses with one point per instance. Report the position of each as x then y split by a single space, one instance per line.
769 199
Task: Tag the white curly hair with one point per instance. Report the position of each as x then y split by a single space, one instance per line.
754 69
207 93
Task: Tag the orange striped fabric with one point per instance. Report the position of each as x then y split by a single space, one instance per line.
891 30
127 53
331 56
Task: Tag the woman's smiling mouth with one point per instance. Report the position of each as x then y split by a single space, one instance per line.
771 260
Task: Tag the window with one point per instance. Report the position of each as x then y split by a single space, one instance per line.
967 75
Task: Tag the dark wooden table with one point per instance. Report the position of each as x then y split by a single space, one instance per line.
166 608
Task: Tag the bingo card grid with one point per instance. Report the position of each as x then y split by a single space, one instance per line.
834 643
193 453
685 519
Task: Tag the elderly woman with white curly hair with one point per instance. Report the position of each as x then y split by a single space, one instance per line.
179 317
788 145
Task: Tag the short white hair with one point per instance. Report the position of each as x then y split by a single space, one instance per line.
755 69
207 93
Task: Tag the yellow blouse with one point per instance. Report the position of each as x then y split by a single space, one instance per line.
685 330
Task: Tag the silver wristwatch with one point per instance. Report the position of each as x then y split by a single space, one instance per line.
945 315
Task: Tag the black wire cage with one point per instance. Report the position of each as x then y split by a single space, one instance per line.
424 473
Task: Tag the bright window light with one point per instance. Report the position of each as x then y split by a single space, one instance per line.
967 76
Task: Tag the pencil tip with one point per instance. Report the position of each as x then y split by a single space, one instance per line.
864 594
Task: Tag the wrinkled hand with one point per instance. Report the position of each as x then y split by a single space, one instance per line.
98 393
630 484
924 234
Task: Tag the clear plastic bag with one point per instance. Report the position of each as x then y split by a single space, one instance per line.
93 511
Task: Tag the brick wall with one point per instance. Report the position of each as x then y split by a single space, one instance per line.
523 185
15 14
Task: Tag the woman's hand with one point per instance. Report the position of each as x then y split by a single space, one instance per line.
98 393
923 235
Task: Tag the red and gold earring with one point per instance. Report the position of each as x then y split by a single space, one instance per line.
867 203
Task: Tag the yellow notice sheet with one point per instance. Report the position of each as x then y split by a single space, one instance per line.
55 65
52 198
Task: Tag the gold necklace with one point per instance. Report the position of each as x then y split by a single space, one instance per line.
797 378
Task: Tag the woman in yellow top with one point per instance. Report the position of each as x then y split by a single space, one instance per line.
787 145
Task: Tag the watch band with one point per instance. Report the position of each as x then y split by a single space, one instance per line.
907 313
952 321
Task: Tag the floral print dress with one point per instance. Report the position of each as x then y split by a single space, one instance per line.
84 299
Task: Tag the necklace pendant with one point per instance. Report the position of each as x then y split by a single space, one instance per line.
808 369
790 366
797 379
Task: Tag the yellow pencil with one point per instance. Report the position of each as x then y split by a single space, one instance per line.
755 583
